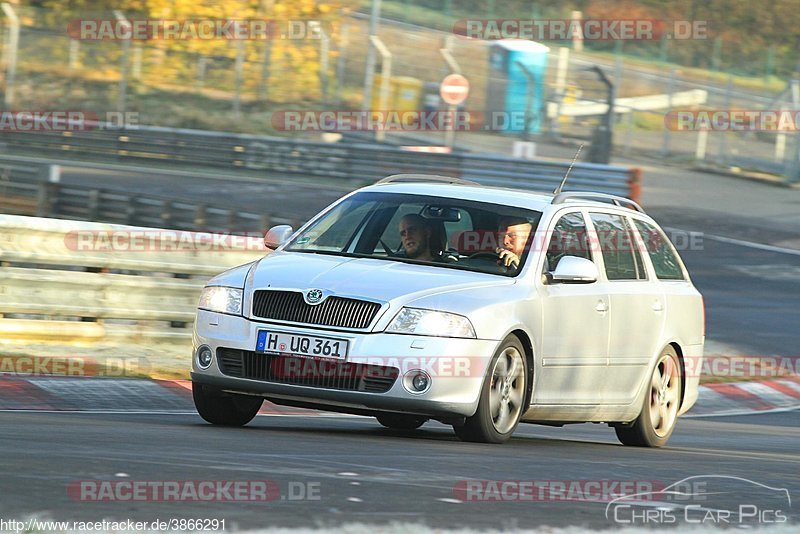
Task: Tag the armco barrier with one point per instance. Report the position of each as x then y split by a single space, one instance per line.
25 190
125 281
349 163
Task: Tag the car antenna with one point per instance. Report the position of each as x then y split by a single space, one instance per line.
566 174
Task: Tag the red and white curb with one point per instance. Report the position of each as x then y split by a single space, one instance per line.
737 398
85 394
118 395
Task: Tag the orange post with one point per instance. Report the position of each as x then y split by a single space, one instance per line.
635 184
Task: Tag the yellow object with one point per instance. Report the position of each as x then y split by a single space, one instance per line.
405 93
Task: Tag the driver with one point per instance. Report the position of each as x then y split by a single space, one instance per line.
415 234
513 234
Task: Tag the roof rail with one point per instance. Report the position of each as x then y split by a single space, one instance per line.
400 178
614 199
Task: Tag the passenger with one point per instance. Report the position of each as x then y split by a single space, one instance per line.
513 234
415 234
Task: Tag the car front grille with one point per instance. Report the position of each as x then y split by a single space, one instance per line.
325 374
334 311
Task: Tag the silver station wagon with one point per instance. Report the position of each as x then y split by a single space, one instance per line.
426 297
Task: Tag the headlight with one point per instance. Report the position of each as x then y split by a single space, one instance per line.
431 323
221 299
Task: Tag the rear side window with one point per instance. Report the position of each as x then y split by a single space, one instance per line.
621 255
568 239
665 261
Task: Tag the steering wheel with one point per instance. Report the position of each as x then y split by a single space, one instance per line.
484 255
492 256
388 249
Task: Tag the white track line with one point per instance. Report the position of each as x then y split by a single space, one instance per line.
743 412
130 412
741 242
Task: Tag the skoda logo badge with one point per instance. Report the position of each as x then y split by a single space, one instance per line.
314 296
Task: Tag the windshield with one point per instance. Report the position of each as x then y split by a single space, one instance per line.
444 232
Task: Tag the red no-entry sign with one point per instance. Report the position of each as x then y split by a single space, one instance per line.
454 89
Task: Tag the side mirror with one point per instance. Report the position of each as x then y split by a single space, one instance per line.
575 270
277 236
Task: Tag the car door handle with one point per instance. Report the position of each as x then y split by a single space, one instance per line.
601 307
657 306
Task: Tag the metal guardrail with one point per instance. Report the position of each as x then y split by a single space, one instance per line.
351 163
123 281
23 191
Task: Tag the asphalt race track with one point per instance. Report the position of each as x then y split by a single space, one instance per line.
360 472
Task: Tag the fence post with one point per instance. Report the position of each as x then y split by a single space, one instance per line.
11 52
239 67
386 75
94 205
136 70
792 167
166 213
560 90
780 145
630 124
47 199
265 66
324 61
723 141
126 46
200 215
54 174
665 149
130 211
792 172
369 69
74 52
233 221
702 143
340 62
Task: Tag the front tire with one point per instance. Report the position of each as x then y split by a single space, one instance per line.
226 409
656 422
400 421
502 397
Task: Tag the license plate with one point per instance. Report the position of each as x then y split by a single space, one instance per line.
301 345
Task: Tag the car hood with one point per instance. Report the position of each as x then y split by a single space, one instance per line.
366 278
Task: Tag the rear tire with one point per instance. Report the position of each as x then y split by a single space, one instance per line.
400 421
656 422
502 397
226 409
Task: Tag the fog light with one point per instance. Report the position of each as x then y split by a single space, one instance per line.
204 356
417 381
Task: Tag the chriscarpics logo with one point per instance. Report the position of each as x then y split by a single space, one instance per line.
716 500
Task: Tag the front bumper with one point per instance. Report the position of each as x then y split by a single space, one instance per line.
456 366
